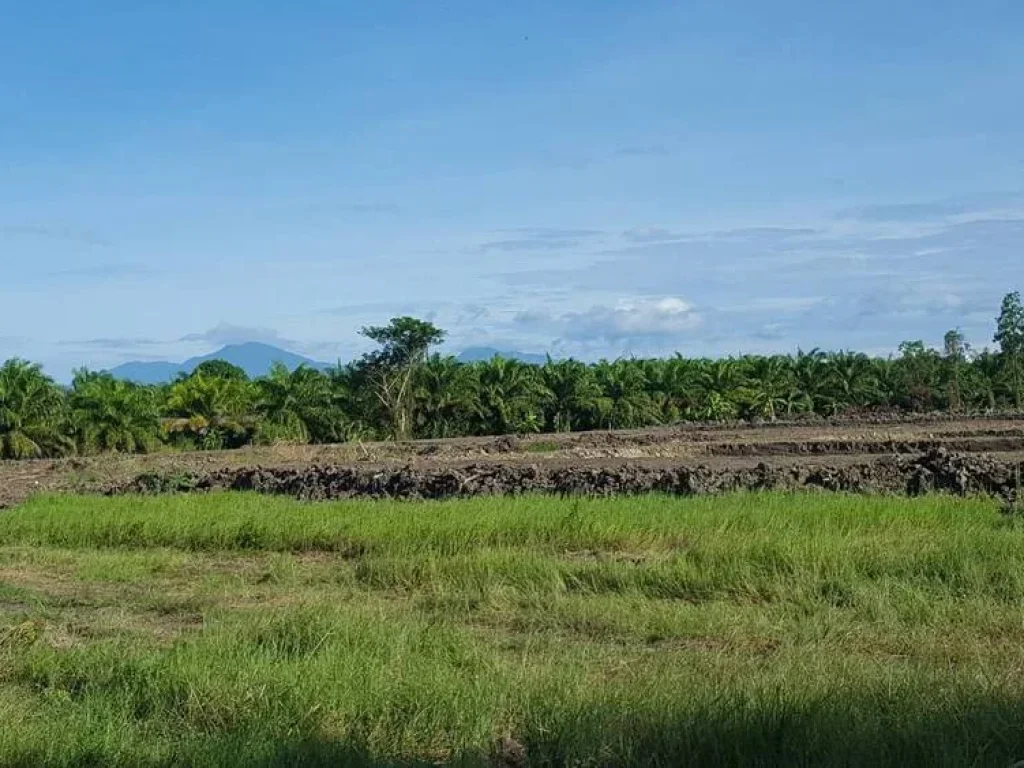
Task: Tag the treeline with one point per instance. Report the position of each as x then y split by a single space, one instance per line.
402 391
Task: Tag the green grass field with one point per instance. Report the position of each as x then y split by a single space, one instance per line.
743 630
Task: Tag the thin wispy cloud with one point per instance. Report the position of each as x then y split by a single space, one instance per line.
766 233
554 233
108 271
538 239
112 343
653 235
904 212
54 232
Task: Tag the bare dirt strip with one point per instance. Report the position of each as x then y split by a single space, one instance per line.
881 454
984 454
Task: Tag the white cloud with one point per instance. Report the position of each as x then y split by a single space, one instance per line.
226 333
629 320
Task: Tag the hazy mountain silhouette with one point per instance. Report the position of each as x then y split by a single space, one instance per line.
255 359
252 357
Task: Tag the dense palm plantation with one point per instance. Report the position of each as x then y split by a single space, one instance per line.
217 406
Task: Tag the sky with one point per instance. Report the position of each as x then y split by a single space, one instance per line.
581 177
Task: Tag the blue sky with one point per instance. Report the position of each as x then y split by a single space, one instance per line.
587 178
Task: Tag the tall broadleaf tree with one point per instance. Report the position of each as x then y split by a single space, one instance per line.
1010 338
956 352
405 343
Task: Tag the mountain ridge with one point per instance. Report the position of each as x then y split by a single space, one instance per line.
256 358
253 357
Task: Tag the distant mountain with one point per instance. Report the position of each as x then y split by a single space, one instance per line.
147 373
255 359
252 357
476 354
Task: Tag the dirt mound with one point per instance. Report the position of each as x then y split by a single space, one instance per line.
937 470
853 452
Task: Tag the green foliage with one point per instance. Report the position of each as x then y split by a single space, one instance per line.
576 397
221 369
625 400
32 413
209 412
1010 337
296 406
112 415
391 370
512 397
402 391
447 398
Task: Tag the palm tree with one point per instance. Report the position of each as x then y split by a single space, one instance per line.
109 414
210 411
32 413
675 386
850 381
625 403
512 396
295 405
358 412
991 385
887 381
770 385
446 396
575 400
721 386
810 371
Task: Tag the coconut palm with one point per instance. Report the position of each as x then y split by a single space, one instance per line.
32 413
109 414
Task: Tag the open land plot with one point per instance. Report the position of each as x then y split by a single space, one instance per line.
743 629
906 455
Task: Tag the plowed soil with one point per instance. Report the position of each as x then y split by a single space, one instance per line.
884 454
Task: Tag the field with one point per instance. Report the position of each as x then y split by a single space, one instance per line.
741 629
883 454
